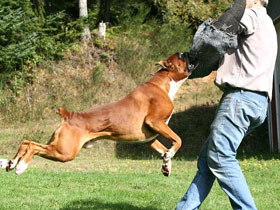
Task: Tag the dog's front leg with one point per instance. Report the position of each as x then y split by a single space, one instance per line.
164 130
158 146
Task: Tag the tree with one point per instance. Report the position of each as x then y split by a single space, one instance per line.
83 13
104 10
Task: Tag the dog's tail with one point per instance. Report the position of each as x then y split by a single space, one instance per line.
64 113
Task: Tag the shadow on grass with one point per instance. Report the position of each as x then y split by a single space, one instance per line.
98 205
193 126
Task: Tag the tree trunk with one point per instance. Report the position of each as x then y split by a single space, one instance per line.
104 10
107 11
83 12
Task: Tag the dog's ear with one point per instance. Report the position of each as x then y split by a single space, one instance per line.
163 64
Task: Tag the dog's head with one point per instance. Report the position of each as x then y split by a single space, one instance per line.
177 65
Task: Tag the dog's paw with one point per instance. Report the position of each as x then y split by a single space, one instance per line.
166 168
165 171
11 165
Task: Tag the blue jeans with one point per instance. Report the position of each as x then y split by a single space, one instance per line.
239 112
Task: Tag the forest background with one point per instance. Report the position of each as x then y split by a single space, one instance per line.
44 64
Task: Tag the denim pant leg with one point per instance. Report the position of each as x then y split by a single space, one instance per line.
201 184
238 112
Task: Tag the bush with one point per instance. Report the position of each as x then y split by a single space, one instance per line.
141 47
147 38
191 13
16 47
25 41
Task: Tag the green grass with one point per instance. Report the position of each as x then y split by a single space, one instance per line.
113 184
126 177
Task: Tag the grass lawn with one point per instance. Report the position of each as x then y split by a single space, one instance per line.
112 184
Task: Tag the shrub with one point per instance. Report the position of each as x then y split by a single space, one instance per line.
190 13
140 47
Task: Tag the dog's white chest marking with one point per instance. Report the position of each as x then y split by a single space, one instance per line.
174 86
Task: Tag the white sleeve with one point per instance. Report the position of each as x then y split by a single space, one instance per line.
249 22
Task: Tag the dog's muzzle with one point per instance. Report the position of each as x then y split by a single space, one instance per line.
191 63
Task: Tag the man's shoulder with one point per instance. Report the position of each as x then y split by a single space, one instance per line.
258 12
253 17
251 11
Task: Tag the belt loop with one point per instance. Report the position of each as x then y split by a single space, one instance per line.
241 90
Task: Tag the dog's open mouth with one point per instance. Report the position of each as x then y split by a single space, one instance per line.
192 66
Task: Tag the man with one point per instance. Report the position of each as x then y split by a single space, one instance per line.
246 76
214 38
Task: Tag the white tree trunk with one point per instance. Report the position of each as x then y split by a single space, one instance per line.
83 8
83 12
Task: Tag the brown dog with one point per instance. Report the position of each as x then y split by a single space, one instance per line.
139 117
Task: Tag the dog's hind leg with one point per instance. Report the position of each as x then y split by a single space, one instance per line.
50 151
30 148
25 150
64 145
21 151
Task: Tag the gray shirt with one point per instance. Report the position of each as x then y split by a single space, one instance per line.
251 66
